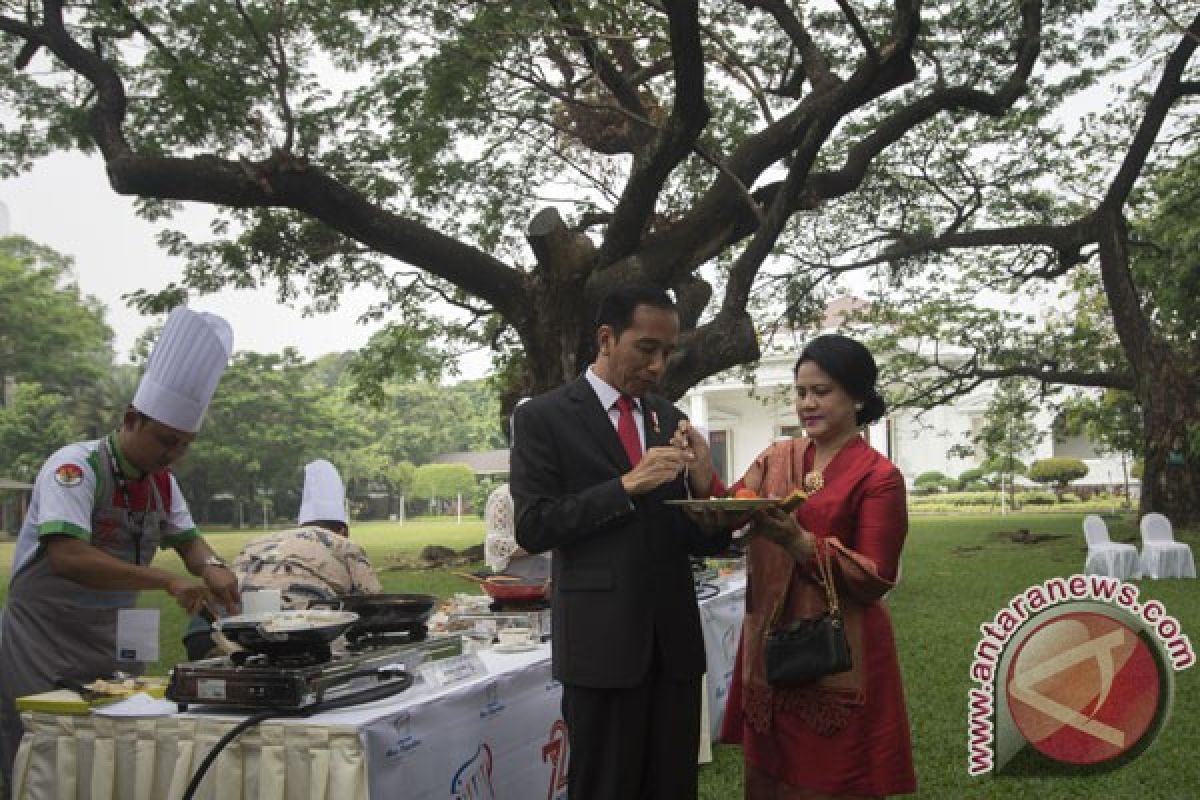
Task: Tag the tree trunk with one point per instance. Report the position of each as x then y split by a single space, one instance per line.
1170 477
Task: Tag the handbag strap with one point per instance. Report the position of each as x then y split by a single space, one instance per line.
825 573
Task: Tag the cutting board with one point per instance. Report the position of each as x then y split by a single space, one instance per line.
65 701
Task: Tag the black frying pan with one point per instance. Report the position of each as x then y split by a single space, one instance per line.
383 613
285 632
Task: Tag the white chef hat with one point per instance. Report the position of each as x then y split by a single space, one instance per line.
324 495
184 369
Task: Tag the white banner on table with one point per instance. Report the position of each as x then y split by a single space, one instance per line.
498 739
721 620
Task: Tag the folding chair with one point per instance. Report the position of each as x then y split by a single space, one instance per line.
1106 557
1162 556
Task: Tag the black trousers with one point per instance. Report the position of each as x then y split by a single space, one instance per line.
639 743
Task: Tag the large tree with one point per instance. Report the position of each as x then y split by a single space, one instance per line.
50 332
1100 226
413 147
410 147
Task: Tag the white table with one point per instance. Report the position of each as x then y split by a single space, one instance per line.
498 736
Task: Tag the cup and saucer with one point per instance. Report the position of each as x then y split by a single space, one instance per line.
514 640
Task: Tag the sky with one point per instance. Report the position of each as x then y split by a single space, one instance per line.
65 202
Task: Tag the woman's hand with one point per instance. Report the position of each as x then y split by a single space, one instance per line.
780 527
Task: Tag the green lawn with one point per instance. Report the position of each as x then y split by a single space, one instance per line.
957 573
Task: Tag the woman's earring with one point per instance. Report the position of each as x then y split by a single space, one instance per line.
858 406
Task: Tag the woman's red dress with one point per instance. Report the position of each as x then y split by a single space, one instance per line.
863 505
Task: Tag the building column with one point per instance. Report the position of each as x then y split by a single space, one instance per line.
698 413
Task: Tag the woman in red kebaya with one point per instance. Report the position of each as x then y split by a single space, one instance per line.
845 735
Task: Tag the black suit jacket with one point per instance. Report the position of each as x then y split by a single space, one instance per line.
622 579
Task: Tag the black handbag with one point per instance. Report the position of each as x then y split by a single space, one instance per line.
800 652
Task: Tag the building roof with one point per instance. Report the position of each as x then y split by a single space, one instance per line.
5 483
488 462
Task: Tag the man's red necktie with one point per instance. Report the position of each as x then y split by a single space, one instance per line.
627 430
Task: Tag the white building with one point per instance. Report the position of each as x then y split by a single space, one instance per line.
744 418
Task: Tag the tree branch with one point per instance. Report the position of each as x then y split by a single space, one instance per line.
859 30
293 184
689 115
813 63
1165 94
605 69
277 58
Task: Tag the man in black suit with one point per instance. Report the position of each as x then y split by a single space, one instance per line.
627 642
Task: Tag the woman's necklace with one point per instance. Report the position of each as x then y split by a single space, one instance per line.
814 479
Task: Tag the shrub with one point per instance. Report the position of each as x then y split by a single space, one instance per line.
973 476
1037 498
1068 497
1058 471
933 481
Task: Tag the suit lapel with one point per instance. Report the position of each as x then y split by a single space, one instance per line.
595 420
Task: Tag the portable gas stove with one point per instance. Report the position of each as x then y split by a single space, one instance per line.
258 681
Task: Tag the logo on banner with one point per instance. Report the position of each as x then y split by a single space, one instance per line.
492 705
405 741
473 780
729 642
557 751
1071 680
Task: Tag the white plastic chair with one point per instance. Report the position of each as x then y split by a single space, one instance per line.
1162 556
1106 557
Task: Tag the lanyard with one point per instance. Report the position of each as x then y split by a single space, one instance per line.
136 519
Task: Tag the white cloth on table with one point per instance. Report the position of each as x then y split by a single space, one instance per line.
1162 556
1106 557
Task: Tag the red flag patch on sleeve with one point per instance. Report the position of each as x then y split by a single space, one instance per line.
69 475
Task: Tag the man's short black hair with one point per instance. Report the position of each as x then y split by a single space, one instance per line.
617 307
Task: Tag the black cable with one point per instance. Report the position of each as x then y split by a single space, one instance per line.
364 696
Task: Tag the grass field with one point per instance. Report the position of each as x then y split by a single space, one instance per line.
958 571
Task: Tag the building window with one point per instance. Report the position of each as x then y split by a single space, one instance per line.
718 443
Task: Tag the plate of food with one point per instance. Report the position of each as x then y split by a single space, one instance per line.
743 501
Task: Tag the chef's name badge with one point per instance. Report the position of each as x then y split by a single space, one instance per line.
137 634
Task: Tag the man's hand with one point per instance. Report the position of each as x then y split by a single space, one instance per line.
658 466
223 584
697 457
189 594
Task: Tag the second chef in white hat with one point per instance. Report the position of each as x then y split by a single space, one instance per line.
292 568
100 512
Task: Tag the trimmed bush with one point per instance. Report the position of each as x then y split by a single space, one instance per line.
1057 471
1037 498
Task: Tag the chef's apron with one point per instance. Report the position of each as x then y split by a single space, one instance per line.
66 629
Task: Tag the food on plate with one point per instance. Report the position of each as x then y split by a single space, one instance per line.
793 500
745 494
121 688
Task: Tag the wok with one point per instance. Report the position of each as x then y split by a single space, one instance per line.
382 613
507 588
285 632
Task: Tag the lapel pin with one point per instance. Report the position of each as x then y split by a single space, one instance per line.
654 421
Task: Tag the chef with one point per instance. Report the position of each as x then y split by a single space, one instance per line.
100 510
316 561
